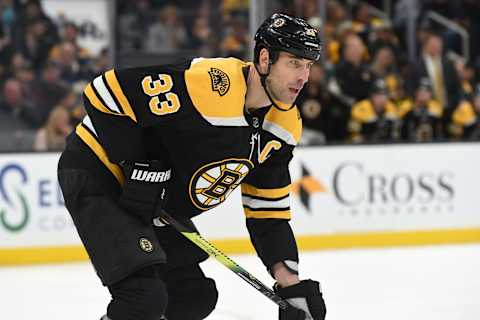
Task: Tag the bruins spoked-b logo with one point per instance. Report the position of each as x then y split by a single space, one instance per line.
279 22
311 32
220 81
145 244
214 182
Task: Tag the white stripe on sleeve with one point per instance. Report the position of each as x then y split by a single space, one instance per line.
105 94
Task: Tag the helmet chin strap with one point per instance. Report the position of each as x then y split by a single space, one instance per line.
263 80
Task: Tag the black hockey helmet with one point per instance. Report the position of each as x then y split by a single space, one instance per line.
281 32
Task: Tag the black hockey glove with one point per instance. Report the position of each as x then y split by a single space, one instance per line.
306 300
146 186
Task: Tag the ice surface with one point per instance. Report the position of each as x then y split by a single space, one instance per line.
419 283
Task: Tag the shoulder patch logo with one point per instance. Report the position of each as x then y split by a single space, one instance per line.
220 81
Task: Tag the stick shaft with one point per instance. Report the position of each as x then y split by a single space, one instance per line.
214 252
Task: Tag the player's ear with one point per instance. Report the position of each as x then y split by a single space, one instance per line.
263 59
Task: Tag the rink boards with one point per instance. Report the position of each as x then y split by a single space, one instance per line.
342 197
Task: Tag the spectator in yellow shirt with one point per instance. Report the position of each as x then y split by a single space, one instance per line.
375 119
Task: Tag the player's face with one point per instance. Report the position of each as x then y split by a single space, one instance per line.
287 77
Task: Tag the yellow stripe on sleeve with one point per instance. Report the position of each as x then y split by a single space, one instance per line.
248 189
267 214
95 101
100 153
117 91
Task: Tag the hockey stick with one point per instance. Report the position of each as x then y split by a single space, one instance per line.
212 251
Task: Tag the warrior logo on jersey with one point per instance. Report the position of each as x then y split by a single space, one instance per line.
220 81
214 182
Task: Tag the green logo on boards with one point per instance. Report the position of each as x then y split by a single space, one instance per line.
14 209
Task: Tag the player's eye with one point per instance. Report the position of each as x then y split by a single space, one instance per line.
295 63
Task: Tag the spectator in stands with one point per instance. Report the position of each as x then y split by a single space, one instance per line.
382 35
74 60
17 61
337 15
14 107
441 72
68 100
52 136
35 43
167 33
101 63
65 55
32 31
324 117
384 66
313 102
27 14
363 21
200 37
465 123
361 18
353 74
374 120
46 92
25 74
70 34
466 76
308 9
237 40
422 117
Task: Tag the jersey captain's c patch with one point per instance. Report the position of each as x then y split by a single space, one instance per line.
220 81
214 182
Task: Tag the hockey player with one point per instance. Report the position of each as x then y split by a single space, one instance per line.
193 132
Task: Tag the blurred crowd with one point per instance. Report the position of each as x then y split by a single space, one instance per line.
366 89
43 70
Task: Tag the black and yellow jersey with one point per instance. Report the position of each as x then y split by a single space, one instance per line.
421 123
464 115
368 125
194 117
434 108
465 121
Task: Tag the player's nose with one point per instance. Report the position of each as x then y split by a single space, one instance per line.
303 75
